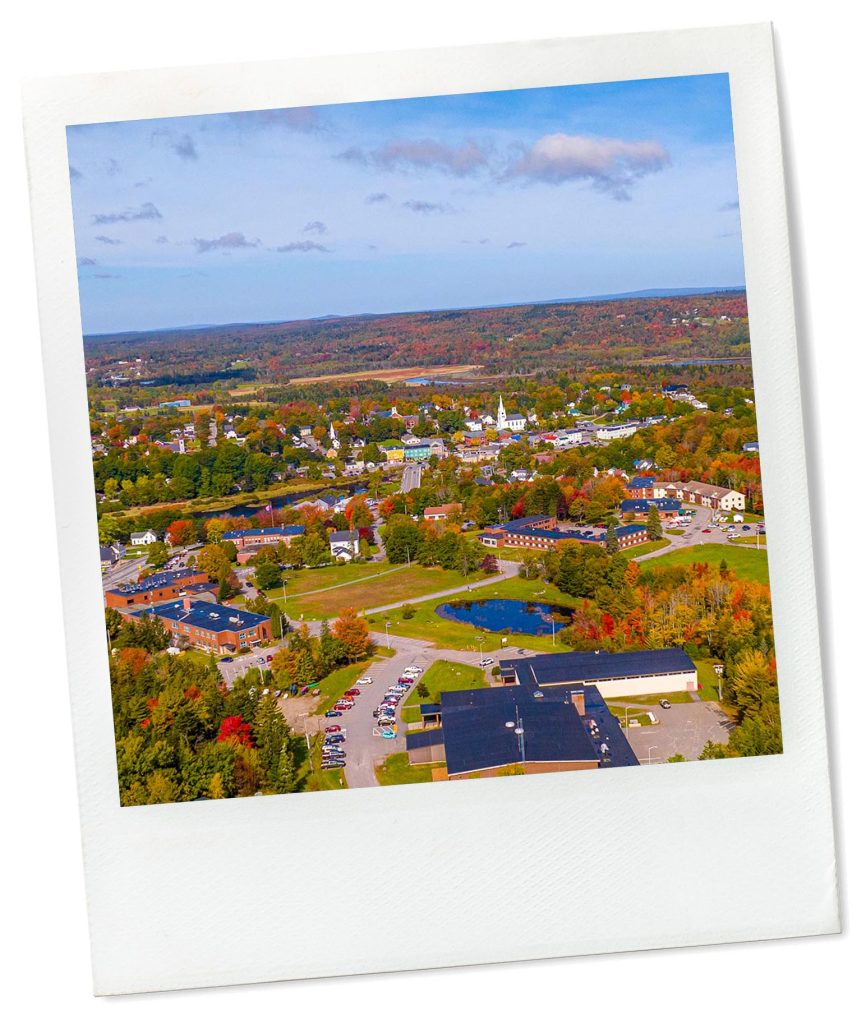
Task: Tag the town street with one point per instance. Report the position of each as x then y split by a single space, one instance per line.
411 477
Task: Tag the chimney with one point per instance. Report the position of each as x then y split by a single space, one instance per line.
186 603
578 701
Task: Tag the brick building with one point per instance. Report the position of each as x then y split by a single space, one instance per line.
264 535
161 586
212 627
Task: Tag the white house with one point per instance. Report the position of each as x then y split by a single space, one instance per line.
143 539
612 431
345 544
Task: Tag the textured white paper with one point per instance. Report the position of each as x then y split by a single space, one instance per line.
501 869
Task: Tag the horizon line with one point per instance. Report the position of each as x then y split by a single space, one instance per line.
643 293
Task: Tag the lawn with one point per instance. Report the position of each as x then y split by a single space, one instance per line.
427 625
300 582
619 711
677 697
747 563
404 585
645 549
749 539
708 679
396 771
442 676
336 684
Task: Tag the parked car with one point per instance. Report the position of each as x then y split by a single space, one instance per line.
412 669
334 728
333 765
261 661
664 703
228 657
365 680
707 530
336 737
352 693
408 680
746 527
269 658
487 662
333 714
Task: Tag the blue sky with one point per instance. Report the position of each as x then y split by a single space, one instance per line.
409 204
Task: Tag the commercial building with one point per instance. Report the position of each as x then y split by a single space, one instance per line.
540 533
667 507
614 675
263 536
708 495
212 627
161 586
436 513
504 730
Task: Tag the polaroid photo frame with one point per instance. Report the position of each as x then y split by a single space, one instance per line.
501 869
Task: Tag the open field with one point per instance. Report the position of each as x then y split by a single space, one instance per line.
395 770
747 563
406 585
427 625
396 373
677 697
390 375
442 676
325 578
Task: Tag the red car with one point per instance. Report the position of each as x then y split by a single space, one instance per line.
708 530
334 728
343 705
352 693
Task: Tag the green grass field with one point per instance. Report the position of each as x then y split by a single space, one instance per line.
747 563
403 585
427 625
442 676
645 549
395 770
677 697
336 684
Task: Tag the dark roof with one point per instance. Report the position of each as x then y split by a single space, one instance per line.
590 666
265 531
641 481
420 738
157 580
517 524
643 504
343 536
477 737
207 615
625 531
430 709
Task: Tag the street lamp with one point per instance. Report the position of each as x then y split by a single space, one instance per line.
719 670
387 637
479 640
627 709
649 754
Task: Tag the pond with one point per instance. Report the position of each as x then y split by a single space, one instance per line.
498 615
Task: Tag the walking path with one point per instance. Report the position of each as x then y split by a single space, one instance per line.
509 573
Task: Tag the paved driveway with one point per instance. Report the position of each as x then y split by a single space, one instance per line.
682 729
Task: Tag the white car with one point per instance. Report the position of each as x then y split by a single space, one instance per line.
365 680
412 670
486 662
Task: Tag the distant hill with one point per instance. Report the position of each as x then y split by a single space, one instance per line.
647 293
520 338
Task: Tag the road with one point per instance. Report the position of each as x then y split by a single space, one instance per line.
411 477
123 572
692 535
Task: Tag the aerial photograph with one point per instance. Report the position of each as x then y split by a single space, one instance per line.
424 440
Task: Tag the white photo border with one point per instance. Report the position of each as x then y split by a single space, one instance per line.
235 891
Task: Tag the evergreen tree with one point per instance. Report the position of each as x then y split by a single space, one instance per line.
611 541
654 523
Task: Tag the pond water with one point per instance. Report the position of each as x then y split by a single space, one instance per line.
499 614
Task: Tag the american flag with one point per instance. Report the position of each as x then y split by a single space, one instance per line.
269 508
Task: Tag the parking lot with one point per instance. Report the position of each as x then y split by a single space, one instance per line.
682 729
